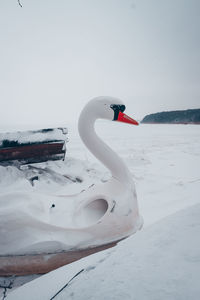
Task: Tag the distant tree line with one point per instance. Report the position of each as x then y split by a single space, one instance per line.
189 116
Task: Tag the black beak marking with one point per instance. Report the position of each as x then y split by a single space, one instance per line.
117 108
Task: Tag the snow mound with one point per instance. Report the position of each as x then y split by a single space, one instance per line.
33 136
26 198
161 262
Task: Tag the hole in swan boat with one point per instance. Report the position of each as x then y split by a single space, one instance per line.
91 213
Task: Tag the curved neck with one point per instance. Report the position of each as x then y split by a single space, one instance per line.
101 150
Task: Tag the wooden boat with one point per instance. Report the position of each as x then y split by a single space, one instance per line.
24 147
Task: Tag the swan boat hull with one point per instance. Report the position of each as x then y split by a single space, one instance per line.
21 265
113 222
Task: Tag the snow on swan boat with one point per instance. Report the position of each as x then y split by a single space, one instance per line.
36 238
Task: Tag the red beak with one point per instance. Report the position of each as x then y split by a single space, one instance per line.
126 119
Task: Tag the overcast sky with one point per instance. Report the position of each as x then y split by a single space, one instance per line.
57 54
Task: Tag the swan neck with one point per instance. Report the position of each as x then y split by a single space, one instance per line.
101 150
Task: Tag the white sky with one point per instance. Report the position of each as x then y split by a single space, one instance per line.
57 54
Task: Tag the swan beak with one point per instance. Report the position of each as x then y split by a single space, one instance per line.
126 119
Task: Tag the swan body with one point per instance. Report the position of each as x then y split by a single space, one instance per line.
103 214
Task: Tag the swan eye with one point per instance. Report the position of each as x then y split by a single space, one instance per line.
117 108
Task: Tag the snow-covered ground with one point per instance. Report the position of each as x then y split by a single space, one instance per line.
165 163
162 262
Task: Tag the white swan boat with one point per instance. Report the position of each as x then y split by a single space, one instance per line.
37 239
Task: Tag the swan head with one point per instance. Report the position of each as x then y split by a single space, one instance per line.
109 108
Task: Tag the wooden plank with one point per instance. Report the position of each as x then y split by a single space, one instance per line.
33 153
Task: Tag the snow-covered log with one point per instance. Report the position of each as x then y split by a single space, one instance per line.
23 147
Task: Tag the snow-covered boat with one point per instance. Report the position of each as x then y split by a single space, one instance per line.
41 232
